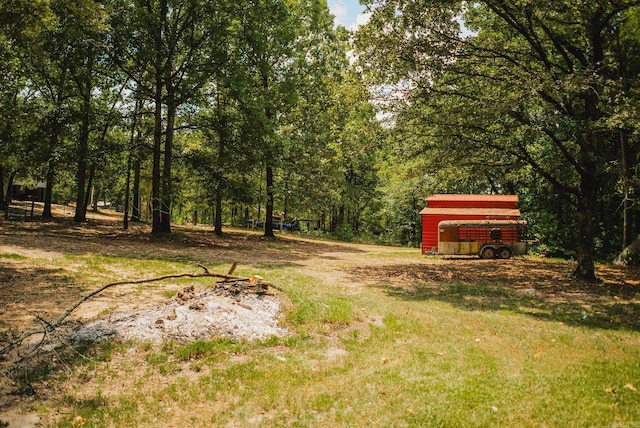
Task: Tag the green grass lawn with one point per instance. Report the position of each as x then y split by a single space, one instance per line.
358 355
425 364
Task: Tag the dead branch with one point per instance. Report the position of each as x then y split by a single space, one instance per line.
48 327
203 267
233 267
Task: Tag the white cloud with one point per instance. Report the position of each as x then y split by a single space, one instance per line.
363 18
340 11
348 13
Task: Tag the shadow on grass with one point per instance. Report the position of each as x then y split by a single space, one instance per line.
185 244
28 370
28 292
542 290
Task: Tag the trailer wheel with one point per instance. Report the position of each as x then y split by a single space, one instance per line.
488 253
504 253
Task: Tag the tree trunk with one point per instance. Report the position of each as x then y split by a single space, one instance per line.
268 221
168 156
132 143
3 205
586 263
627 203
48 193
629 255
586 204
218 213
589 167
81 179
50 175
157 150
9 195
95 197
160 61
323 221
87 194
83 143
135 209
127 191
222 142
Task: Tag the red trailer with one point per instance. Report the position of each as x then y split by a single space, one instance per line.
444 207
485 238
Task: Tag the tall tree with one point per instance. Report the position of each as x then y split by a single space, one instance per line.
226 146
357 148
50 57
269 31
87 37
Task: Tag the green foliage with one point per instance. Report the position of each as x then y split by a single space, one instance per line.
344 232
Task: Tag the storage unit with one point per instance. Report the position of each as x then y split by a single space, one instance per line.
443 207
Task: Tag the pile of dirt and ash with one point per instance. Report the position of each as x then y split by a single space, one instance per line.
237 310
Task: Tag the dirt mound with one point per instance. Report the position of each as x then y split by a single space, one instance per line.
221 311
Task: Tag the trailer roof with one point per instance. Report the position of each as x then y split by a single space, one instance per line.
484 212
476 223
472 197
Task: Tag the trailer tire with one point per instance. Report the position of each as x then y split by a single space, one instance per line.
504 253
488 253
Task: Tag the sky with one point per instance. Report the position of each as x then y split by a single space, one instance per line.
348 13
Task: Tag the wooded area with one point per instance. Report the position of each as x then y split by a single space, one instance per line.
222 111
